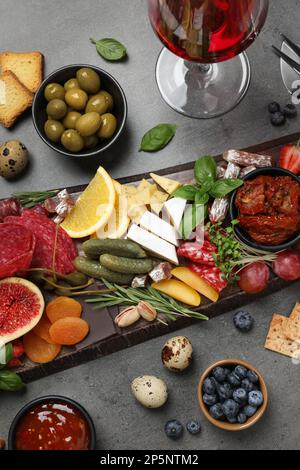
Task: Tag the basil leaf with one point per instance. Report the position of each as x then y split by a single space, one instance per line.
225 186
192 217
110 49
201 197
8 352
10 381
158 137
185 192
205 169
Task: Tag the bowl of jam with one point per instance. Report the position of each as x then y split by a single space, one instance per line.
52 423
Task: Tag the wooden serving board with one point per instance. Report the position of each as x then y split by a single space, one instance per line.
105 337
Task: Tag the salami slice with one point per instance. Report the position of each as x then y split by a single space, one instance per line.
199 253
211 274
17 245
8 207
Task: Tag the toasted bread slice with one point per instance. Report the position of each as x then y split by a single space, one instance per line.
27 66
15 98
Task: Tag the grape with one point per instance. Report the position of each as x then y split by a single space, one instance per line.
254 278
287 265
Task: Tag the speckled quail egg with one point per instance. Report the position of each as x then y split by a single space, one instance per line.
177 353
13 159
150 391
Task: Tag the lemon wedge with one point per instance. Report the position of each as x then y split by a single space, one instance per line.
118 222
93 208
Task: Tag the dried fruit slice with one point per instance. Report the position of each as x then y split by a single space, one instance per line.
62 307
42 329
69 331
38 350
21 307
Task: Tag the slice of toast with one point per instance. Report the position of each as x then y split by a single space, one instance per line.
15 98
27 66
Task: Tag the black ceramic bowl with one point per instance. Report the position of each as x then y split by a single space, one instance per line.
242 234
47 399
60 76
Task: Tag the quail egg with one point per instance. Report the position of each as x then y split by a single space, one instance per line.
177 353
13 159
150 391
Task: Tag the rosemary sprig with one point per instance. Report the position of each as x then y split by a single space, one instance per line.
130 296
31 199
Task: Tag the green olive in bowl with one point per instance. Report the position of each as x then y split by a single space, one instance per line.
98 104
91 141
53 130
108 126
72 140
71 84
54 91
76 99
88 80
108 98
56 109
70 119
88 124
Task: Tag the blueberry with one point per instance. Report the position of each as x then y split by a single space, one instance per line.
243 321
225 391
219 374
241 372
255 398
232 420
227 372
209 386
233 380
230 408
216 411
247 385
249 410
252 376
240 396
193 426
173 429
273 107
277 119
242 418
290 110
209 400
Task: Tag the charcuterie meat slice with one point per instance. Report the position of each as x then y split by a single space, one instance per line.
197 252
17 245
211 274
8 207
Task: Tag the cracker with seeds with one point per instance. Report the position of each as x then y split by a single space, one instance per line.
277 341
291 328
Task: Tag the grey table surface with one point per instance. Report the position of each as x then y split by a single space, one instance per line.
61 30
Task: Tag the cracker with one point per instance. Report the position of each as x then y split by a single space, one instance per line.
295 315
291 328
277 341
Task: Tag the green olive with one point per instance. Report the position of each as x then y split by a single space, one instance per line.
109 99
108 126
53 130
56 109
88 124
91 141
70 119
88 80
97 103
76 98
72 140
54 91
71 84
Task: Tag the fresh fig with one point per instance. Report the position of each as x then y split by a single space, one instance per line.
21 307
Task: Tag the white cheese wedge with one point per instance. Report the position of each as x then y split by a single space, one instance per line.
174 209
159 227
153 244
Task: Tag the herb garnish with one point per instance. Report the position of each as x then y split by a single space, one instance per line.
157 137
110 49
31 199
9 380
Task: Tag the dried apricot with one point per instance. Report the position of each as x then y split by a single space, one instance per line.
62 307
42 329
38 350
69 330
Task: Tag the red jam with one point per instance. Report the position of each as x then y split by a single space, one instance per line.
53 426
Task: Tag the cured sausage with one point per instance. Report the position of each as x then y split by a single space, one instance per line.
211 274
247 159
219 208
17 246
199 253
8 207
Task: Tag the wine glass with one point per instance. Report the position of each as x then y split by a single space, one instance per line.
193 72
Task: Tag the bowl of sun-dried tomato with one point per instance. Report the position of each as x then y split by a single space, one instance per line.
267 208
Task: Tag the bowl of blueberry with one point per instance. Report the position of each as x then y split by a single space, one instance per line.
232 394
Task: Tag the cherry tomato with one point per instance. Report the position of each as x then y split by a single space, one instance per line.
254 278
287 265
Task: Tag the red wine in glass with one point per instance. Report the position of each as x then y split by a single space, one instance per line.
206 32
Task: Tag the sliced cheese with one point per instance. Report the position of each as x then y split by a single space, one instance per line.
153 244
166 184
135 212
157 201
159 227
174 209
144 184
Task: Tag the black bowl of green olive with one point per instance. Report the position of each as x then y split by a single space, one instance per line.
79 110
